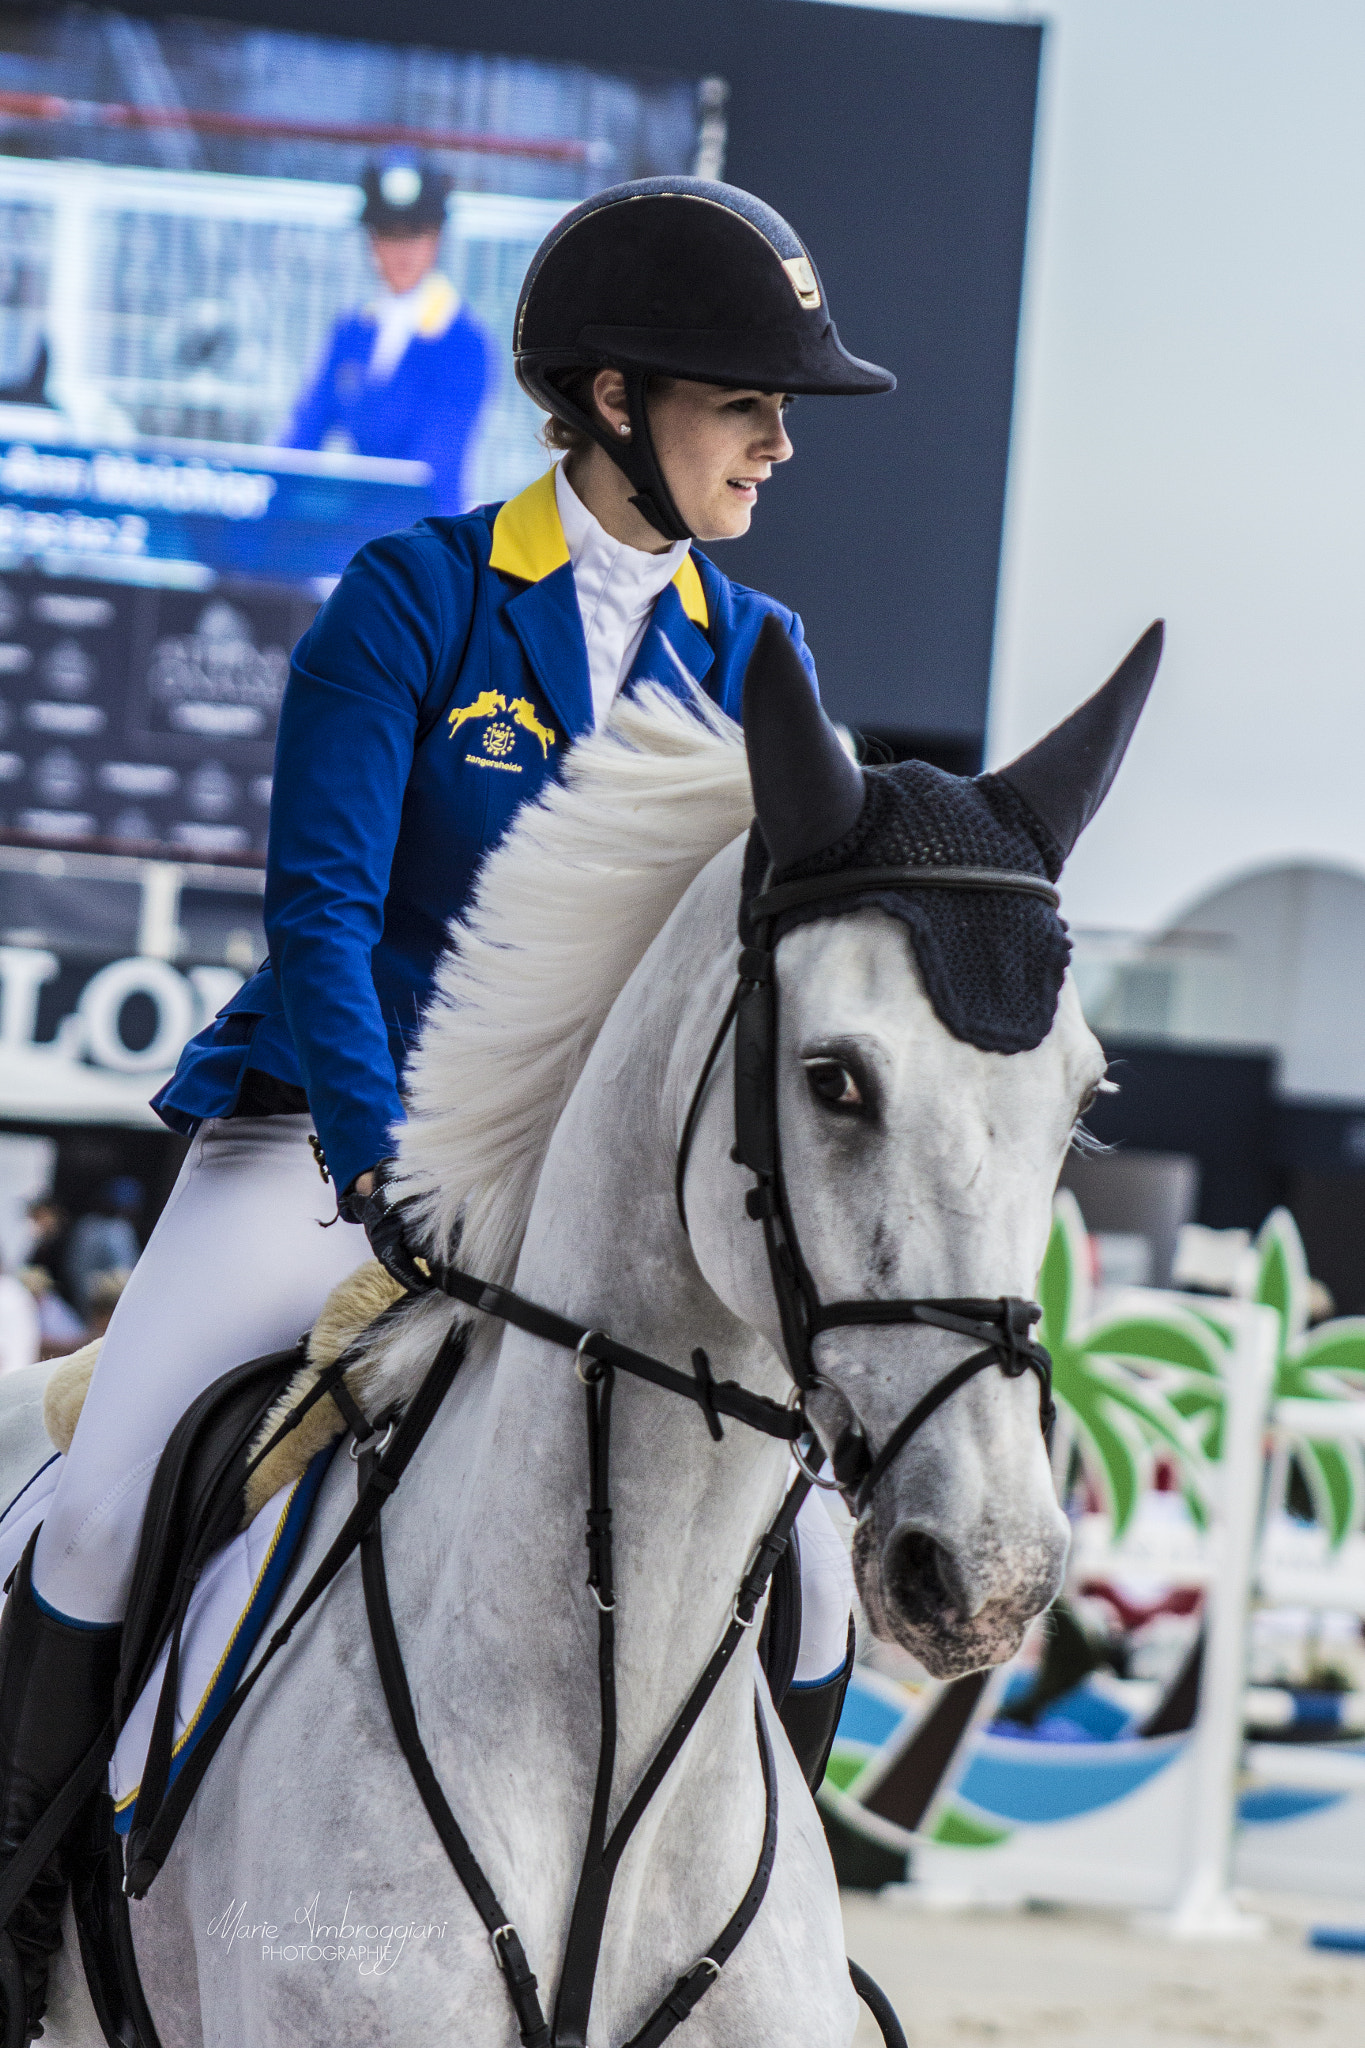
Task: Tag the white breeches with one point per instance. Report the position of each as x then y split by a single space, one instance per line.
826 1594
239 1265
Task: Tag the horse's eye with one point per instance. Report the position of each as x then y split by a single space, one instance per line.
833 1084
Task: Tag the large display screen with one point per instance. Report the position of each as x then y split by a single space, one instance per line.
256 298
217 380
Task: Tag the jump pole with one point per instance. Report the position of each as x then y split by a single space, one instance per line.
1205 1908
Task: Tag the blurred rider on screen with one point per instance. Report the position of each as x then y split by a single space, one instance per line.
406 375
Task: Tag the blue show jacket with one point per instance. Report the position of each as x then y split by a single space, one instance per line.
425 411
433 695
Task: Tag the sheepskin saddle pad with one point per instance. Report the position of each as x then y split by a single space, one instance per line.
348 1312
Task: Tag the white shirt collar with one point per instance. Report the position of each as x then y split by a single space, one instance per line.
397 317
618 587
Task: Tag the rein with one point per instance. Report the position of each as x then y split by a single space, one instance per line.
597 1359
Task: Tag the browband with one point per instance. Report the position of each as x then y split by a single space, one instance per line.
853 881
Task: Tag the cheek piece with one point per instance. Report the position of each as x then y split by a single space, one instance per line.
1001 1328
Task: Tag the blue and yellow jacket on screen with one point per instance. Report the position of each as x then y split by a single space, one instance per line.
425 410
435 692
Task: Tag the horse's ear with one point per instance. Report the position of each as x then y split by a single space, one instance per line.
807 792
1066 777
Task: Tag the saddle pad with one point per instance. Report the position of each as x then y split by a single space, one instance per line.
229 1610
24 1513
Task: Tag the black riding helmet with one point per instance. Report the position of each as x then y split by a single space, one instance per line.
676 277
403 196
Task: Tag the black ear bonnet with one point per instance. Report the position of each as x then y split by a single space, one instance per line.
992 965
992 957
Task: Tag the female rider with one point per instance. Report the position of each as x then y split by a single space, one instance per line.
663 325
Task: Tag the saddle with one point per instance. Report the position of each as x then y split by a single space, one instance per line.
349 1313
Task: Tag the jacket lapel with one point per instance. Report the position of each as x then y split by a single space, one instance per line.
674 651
528 543
546 620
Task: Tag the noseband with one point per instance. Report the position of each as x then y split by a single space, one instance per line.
999 1327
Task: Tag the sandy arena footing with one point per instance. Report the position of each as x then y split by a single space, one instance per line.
1094 1980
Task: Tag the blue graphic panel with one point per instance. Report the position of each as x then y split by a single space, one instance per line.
1279 1802
1039 1782
867 1718
236 512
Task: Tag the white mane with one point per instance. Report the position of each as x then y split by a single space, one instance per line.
563 911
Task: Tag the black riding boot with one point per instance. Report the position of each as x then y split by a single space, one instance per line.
810 1715
56 1690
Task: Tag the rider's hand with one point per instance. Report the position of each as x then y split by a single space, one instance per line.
371 1202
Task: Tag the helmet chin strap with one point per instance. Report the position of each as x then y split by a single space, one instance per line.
634 454
638 457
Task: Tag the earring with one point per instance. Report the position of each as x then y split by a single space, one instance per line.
624 429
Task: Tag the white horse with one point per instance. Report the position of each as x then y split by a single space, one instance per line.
307 1899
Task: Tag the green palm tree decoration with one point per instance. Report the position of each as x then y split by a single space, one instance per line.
1323 1364
1134 1386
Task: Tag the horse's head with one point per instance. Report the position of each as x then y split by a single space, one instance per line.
931 1063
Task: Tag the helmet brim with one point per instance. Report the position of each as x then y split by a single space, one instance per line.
755 359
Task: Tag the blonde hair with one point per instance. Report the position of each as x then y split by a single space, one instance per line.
556 434
561 439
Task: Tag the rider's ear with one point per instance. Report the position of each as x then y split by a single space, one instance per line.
1066 777
807 792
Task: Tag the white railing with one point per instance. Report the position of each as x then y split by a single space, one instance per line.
195 304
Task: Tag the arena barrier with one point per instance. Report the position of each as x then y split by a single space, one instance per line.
1157 1804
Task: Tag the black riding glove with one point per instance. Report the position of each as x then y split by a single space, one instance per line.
386 1220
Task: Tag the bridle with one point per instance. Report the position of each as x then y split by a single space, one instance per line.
1000 1327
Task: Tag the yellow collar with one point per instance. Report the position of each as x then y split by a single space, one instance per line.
436 308
529 543
439 304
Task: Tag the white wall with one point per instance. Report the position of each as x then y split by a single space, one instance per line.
1190 433
1297 943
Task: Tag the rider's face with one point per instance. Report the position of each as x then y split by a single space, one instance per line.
715 446
404 260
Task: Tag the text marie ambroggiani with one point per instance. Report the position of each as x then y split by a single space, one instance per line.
374 1946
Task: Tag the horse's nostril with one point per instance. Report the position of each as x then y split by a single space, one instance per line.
918 1576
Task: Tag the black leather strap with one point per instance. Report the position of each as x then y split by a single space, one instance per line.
503 1936
689 1129
693 1985
262 1094
879 2005
725 1397
603 1852
845 882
